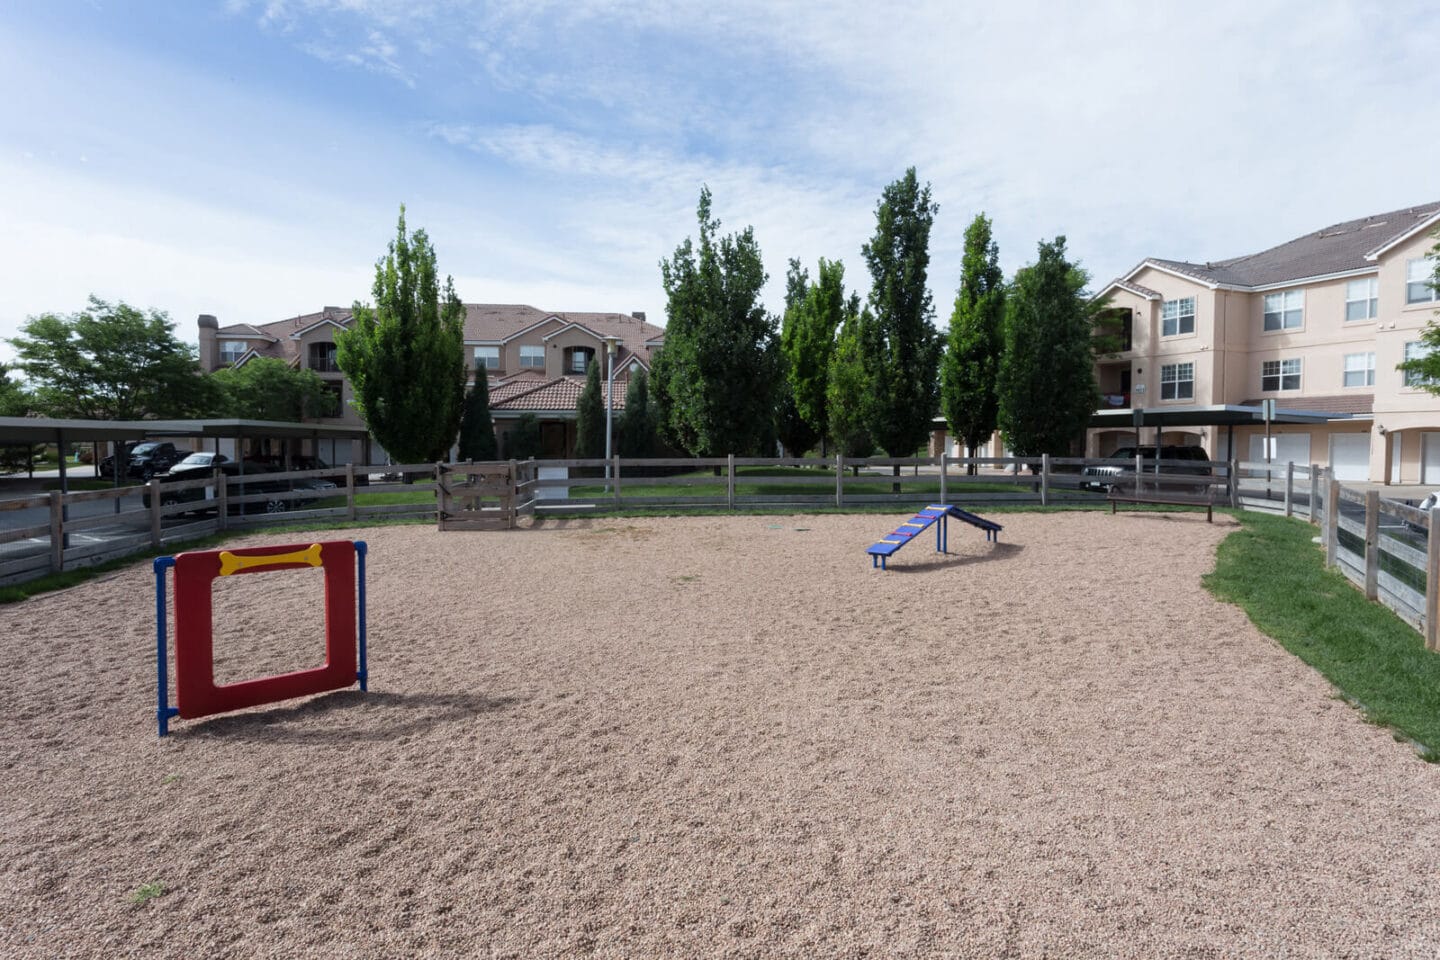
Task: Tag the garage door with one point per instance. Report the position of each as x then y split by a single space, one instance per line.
1284 448
1430 470
1350 456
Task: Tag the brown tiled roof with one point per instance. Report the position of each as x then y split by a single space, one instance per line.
1138 290
561 393
1337 248
1343 403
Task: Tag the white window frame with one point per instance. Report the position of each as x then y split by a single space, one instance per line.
1359 370
1174 313
232 350
580 359
1176 376
487 357
532 357
1414 350
1283 370
1363 294
1420 281
1288 309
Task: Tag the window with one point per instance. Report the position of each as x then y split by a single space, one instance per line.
532 357
1177 317
1280 375
1284 310
1177 381
1360 299
487 357
1414 350
580 358
1359 369
322 358
1420 281
231 350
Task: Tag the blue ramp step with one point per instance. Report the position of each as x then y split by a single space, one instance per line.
884 548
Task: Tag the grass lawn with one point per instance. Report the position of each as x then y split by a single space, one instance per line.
1272 570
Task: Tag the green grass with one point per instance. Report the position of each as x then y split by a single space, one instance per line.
146 893
1272 571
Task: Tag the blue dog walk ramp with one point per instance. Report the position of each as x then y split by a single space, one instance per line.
937 516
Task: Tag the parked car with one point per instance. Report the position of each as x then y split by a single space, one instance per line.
1174 459
145 460
199 466
306 462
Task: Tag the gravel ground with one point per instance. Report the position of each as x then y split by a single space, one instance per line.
716 737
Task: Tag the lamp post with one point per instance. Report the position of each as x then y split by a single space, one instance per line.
611 343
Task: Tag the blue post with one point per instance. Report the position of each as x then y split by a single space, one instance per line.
363 675
163 710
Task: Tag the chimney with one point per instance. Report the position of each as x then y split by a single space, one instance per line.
638 315
208 325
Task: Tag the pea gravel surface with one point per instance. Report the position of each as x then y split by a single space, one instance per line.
715 737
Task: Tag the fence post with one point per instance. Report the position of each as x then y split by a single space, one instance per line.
1044 479
1314 491
350 491
511 504
944 467
222 499
57 530
1234 471
615 472
1332 517
1139 471
154 487
1290 489
1432 584
730 480
1372 544
839 479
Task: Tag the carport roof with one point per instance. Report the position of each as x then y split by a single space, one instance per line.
1215 415
20 430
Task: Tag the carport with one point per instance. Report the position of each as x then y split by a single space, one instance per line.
1228 416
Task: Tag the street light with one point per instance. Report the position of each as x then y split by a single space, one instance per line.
611 344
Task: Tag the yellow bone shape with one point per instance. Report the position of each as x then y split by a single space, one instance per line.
231 563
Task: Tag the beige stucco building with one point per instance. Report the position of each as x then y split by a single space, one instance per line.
1317 324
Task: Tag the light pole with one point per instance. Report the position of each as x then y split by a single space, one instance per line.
611 343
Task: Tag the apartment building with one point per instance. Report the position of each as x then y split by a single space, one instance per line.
535 360
1318 324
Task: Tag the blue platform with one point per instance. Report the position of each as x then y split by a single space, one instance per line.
937 516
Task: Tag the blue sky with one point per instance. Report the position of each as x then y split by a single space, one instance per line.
247 158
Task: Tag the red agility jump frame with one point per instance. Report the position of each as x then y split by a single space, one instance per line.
197 694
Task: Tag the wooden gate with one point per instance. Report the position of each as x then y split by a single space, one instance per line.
476 496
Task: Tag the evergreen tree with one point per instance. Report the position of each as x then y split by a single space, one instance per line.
523 441
637 420
712 381
900 347
405 356
590 417
971 366
846 386
477 429
1047 376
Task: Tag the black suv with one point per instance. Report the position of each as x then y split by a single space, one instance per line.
145 460
199 466
1102 477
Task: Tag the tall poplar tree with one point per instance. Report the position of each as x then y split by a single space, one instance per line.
846 386
477 427
808 341
637 420
405 356
712 381
795 432
1047 373
590 417
901 349
971 366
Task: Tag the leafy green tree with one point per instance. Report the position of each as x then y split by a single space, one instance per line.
405 356
637 420
111 361
794 432
712 381
477 429
971 365
807 339
1425 370
590 417
523 441
14 399
900 347
1047 376
264 388
846 386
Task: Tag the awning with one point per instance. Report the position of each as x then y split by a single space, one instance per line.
22 430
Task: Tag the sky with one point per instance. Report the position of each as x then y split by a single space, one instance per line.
248 158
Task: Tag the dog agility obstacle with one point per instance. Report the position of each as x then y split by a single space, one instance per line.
884 548
196 693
